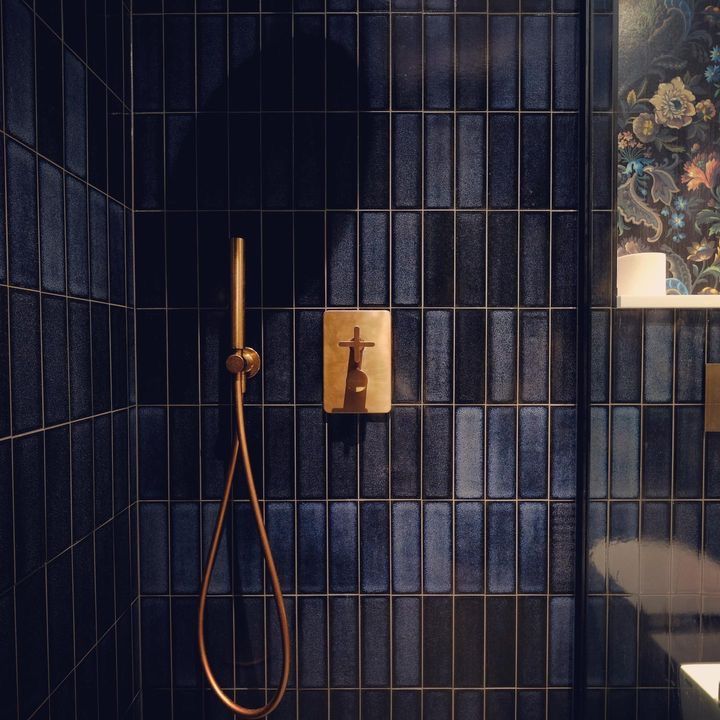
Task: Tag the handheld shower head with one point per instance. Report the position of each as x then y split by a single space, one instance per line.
237 292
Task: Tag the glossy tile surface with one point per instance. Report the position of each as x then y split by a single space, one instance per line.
68 589
396 160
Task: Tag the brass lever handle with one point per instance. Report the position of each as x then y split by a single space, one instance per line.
357 344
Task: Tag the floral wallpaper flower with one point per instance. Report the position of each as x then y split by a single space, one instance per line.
668 145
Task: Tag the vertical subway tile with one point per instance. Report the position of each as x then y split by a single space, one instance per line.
501 529
503 59
502 161
470 262
502 329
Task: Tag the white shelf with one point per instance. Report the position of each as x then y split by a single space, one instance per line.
668 301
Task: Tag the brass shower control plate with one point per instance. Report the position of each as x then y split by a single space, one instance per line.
712 397
357 361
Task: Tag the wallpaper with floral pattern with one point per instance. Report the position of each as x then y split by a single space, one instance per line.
668 175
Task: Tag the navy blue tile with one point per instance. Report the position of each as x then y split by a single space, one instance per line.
76 230
57 490
309 264
566 51
281 532
311 453
100 321
439 49
312 642
374 62
309 63
406 331
535 161
244 70
535 62
565 162
471 62
625 472
75 118
532 662
60 631
97 132
406 639
470 258
25 360
502 161
688 461
279 447
405 452
148 162
32 651
29 521
500 635
374 456
180 162
469 628
689 357
532 541
151 356
343 541
437 547
374 171
503 59
564 254
501 452
49 94
179 35
438 369
658 356
19 71
534 259
98 246
212 153
211 33
341 259
502 344
470 160
533 448
82 479
374 547
406 232
22 216
501 529
657 451
534 356
439 181
600 360
407 62
437 642
406 160
311 547
309 133
469 347
52 236
344 652
375 639
341 51
55 360
221 579
341 166
406 547
469 449
563 363
374 258
8 666
563 443
437 452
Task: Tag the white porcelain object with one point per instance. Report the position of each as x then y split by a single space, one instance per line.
699 690
641 274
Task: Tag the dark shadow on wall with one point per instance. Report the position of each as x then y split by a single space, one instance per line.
272 148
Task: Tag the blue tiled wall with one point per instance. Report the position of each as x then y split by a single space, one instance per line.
67 490
417 158
653 591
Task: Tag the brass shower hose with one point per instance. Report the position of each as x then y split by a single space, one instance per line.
240 445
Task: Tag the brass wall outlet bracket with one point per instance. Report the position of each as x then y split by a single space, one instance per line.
712 397
357 361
